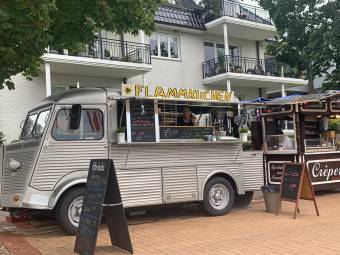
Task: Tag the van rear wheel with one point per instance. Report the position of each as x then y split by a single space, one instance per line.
69 210
218 196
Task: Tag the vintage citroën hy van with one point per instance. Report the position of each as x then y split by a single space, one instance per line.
180 145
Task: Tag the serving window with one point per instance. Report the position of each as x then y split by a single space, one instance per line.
183 120
280 133
149 120
320 133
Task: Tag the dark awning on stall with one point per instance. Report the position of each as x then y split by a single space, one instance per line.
292 99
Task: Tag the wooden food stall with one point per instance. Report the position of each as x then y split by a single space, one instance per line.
300 129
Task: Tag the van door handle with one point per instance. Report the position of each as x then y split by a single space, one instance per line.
14 164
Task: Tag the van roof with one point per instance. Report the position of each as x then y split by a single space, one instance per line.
80 96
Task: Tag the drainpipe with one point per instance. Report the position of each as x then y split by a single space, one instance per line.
258 52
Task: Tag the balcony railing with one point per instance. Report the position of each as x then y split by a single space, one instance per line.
109 49
253 66
242 11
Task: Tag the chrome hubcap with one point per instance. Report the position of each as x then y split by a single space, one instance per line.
74 211
219 196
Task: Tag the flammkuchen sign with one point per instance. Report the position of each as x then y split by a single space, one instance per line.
160 92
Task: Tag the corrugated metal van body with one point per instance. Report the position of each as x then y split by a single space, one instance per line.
168 173
59 158
252 170
14 183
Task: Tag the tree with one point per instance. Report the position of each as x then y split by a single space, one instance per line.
27 28
308 36
211 9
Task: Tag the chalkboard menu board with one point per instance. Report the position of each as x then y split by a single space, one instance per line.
276 109
92 209
291 178
142 117
295 185
335 106
102 194
317 106
187 132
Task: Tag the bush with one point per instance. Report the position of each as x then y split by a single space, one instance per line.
2 138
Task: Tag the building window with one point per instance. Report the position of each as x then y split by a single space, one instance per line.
209 51
164 46
216 50
234 51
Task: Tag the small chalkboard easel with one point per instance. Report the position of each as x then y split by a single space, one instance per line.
295 185
102 195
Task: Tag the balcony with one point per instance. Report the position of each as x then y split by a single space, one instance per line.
244 21
103 57
241 11
250 72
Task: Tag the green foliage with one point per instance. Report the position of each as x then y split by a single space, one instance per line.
244 130
211 8
121 130
2 138
308 36
27 28
246 146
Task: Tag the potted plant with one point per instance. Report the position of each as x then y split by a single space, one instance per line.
244 134
246 146
120 135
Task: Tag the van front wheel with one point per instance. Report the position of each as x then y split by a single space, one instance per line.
218 196
69 210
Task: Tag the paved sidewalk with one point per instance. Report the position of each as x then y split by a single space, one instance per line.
250 231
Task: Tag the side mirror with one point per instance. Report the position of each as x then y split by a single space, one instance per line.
75 116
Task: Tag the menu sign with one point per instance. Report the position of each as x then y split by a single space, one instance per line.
324 171
102 195
276 109
187 132
295 185
275 169
317 106
142 117
291 181
335 106
92 209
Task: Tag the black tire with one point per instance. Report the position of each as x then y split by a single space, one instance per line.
243 201
225 206
66 202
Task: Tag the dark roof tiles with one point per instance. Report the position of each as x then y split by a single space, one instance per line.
184 13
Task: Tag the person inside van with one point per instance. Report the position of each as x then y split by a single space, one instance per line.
187 119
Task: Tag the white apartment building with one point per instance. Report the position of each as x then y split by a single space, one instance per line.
224 51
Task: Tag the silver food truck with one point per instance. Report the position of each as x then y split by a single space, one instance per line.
178 146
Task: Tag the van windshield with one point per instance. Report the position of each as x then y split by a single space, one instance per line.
34 125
